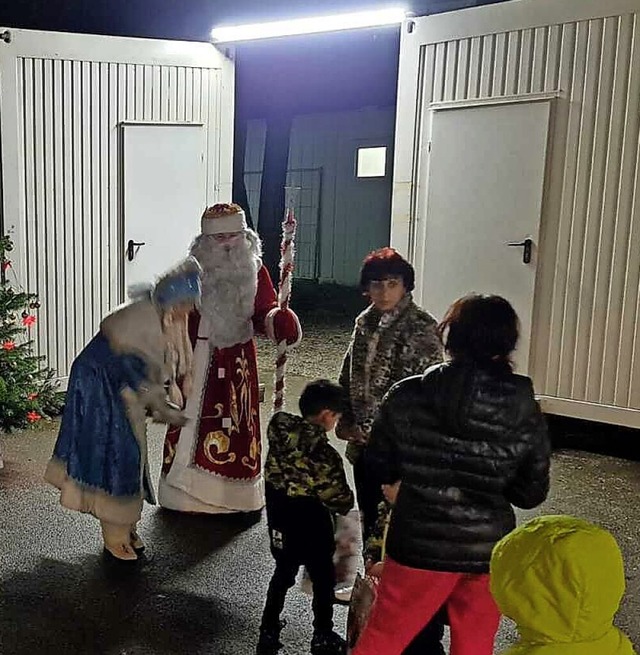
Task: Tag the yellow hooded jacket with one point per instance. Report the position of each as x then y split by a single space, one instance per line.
561 580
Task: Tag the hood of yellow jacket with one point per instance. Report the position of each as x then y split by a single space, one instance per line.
561 579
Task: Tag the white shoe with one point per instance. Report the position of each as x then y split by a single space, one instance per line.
343 594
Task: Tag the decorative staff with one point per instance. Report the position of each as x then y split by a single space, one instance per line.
287 252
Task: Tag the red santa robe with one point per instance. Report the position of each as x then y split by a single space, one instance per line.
214 463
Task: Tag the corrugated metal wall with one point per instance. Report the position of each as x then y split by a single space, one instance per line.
588 299
354 214
69 112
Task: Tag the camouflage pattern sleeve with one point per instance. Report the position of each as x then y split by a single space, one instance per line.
330 481
273 472
374 546
303 463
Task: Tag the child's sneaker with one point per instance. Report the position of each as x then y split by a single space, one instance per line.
269 641
343 594
328 643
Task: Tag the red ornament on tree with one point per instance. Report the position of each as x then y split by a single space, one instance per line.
33 417
5 265
28 320
9 345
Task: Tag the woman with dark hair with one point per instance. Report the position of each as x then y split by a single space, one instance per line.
467 440
392 339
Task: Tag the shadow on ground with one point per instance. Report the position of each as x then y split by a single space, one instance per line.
69 602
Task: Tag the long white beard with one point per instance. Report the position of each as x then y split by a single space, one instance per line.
229 287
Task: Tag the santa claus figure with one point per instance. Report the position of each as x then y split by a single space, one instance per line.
213 464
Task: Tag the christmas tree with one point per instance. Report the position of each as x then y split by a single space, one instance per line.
28 390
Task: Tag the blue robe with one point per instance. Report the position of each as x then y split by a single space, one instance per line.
96 442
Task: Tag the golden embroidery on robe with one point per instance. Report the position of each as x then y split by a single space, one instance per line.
248 412
221 442
252 462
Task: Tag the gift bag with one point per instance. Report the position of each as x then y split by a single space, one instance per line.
347 555
346 558
362 598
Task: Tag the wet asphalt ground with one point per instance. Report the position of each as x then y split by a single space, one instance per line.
202 586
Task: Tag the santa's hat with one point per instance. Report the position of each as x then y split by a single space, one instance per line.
222 218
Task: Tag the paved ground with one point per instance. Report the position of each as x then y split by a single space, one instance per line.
203 587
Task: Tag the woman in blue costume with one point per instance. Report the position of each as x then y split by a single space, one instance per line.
126 372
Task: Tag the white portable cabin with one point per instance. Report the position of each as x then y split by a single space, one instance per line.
518 123
110 148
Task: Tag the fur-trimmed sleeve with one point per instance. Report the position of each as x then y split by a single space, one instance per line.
344 380
266 300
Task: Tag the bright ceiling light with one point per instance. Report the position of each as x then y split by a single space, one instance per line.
337 22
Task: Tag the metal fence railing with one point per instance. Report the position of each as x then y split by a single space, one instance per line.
308 208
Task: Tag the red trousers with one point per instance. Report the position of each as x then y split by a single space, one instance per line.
408 598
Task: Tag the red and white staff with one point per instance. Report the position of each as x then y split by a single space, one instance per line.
284 296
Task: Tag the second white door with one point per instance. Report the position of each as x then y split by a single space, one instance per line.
484 191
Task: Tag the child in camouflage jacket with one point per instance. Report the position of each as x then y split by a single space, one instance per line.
306 487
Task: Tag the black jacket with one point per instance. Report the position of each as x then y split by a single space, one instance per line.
466 442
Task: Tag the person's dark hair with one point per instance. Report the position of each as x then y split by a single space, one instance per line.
480 328
385 263
322 394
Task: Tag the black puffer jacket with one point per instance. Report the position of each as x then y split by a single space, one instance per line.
466 442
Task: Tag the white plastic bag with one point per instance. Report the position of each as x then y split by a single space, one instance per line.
346 559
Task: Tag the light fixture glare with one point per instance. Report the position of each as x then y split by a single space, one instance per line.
337 22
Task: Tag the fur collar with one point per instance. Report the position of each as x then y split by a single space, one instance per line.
372 319
135 329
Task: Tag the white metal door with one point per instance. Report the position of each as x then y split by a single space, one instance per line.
164 196
485 186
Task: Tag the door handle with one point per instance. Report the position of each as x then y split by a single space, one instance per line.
527 245
132 248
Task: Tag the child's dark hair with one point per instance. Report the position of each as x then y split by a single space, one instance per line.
385 263
480 328
322 394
